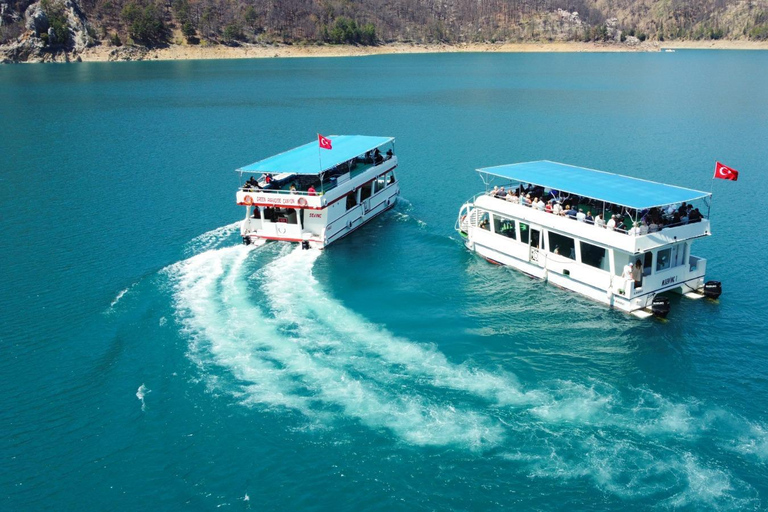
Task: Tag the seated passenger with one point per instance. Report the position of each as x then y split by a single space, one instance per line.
389 153
611 223
377 158
511 196
311 190
695 216
525 200
540 205
589 219
580 215
653 226
643 228
501 193
293 188
571 214
557 209
599 222
548 207
494 192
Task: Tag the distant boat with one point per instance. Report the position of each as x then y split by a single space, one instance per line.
669 50
316 196
641 249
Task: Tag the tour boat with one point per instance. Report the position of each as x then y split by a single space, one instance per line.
318 193
638 247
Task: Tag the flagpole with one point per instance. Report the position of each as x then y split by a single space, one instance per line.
320 163
711 195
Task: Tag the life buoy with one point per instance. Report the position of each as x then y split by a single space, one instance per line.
302 201
248 200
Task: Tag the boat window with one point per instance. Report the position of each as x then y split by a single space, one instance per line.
483 222
504 226
663 259
524 233
648 265
562 245
351 200
366 190
593 256
381 182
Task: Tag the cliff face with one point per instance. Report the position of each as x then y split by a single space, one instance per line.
60 29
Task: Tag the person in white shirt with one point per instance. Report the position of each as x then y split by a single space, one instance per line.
541 205
643 228
599 222
557 209
611 223
580 216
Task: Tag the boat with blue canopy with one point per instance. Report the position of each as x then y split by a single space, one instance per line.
318 193
619 240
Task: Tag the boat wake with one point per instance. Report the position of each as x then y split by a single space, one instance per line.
262 328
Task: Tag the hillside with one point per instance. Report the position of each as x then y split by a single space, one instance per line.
56 29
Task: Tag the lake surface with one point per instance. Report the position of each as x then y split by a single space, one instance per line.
151 362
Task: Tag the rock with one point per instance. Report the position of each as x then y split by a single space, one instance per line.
632 41
36 19
51 36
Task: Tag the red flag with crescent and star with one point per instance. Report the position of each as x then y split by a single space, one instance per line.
724 172
325 142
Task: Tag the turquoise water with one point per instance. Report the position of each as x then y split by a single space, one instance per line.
149 361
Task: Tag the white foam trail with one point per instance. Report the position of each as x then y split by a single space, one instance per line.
296 347
118 297
140 394
212 239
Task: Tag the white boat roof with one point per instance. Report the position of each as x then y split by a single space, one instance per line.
603 186
312 160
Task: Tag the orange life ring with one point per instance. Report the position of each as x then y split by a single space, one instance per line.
248 200
302 201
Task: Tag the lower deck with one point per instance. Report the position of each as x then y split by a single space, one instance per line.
627 281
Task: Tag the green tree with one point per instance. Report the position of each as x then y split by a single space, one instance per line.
57 20
145 25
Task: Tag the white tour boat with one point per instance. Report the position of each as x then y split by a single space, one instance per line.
623 242
314 195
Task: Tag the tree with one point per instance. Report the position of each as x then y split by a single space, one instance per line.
145 25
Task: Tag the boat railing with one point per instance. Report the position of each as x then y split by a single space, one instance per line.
621 228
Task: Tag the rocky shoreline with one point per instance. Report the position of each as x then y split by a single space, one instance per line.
30 51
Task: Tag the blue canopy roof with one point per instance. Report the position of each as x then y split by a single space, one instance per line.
603 186
310 159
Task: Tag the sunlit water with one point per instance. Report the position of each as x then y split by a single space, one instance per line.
151 361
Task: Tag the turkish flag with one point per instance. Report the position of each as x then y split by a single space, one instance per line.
325 142
724 172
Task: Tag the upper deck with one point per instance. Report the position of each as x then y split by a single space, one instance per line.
641 214
309 177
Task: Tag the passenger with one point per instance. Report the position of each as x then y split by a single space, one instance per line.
557 209
635 231
377 158
510 196
501 193
637 274
525 200
548 207
643 228
494 192
580 216
611 223
599 222
695 216
541 206
589 219
653 227
267 178
535 203
293 188
311 190
627 272
572 213
389 153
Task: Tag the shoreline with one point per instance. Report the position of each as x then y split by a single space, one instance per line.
263 51
190 52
